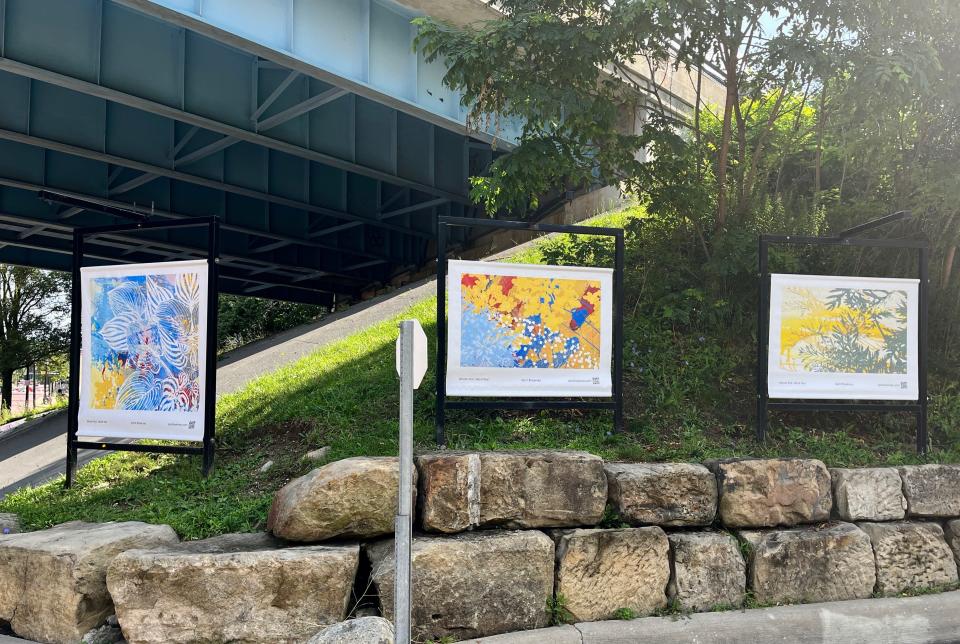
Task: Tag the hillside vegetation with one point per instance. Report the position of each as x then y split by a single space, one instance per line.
689 358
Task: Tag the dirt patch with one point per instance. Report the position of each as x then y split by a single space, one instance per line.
284 443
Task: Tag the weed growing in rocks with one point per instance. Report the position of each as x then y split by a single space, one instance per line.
559 613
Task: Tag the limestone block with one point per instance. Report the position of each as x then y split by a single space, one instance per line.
810 564
602 571
527 489
471 584
53 582
667 494
910 555
9 523
760 493
354 497
449 492
363 630
951 532
708 570
932 490
871 494
235 588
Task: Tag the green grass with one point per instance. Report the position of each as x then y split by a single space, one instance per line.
688 398
58 403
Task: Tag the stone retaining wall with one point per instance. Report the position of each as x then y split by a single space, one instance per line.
506 541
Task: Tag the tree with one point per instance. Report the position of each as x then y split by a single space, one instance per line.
540 63
893 143
836 112
246 319
569 70
34 315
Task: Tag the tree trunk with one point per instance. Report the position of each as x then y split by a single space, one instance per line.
731 81
696 121
6 388
818 163
751 179
948 267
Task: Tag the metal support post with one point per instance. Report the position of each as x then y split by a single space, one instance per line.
762 325
923 439
440 432
74 400
213 304
404 521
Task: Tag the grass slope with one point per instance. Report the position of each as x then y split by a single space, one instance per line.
346 396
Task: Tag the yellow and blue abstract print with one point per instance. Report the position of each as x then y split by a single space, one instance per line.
844 330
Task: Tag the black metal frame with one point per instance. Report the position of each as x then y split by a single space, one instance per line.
445 222
207 451
845 238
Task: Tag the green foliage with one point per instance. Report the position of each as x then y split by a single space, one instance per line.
539 64
612 519
750 601
837 113
242 320
673 609
34 314
625 614
559 613
722 608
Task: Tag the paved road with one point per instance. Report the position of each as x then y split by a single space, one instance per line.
37 455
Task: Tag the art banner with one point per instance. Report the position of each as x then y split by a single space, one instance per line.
522 330
143 350
843 338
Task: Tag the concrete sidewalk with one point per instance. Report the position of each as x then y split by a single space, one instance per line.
906 620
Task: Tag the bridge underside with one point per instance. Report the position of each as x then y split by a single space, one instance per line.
321 189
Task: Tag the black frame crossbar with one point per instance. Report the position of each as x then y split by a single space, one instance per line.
845 238
208 449
443 403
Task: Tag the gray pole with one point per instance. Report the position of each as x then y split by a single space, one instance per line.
404 522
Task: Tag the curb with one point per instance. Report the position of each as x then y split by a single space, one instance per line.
902 620
24 426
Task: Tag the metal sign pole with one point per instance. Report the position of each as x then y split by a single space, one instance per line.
403 528
213 305
763 371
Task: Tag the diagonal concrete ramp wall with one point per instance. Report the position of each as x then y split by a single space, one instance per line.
242 365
